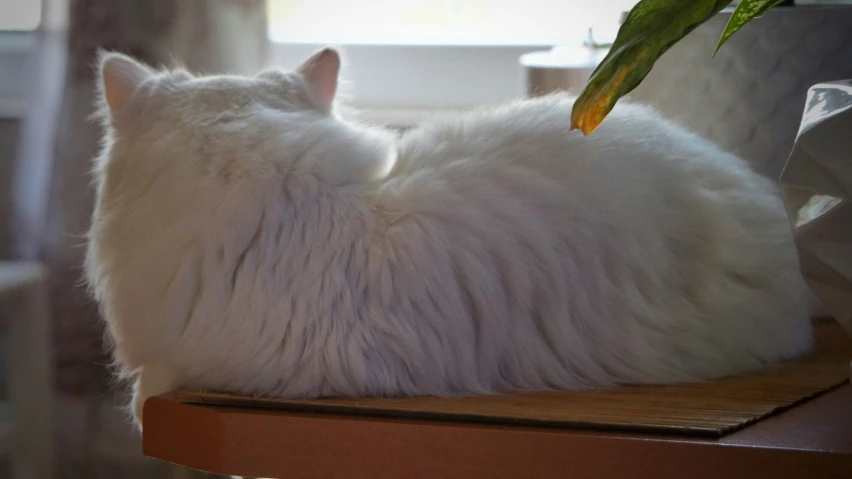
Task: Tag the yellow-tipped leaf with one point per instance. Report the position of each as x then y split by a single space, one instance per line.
651 28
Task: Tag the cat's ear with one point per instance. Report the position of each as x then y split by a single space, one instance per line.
120 76
320 71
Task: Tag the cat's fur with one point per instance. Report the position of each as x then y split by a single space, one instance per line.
246 238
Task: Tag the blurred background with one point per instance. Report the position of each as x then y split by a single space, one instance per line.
406 60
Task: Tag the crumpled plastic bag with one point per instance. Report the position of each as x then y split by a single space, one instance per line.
817 189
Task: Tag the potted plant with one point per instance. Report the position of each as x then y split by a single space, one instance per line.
817 179
747 96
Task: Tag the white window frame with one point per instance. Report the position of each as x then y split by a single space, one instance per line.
15 58
15 48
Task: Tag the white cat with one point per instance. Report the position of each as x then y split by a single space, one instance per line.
247 238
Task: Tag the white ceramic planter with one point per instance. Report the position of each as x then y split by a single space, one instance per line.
817 186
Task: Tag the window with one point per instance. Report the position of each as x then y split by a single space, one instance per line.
410 59
20 15
18 19
441 22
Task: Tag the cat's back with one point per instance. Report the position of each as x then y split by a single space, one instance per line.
634 150
489 133
632 167
536 134
637 228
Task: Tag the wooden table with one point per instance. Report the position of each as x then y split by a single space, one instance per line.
812 440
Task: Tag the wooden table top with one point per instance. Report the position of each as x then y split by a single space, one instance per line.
812 440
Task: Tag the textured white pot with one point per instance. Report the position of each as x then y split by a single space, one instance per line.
749 98
817 186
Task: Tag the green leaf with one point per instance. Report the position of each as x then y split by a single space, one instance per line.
651 28
746 11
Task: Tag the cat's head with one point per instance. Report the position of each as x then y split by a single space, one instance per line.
188 162
216 124
126 84
171 137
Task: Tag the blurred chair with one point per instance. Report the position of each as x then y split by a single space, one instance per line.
25 321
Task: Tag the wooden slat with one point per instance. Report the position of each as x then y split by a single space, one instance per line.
711 409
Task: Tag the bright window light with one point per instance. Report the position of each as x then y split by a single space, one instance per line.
442 22
20 15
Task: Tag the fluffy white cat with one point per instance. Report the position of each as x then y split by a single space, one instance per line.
247 238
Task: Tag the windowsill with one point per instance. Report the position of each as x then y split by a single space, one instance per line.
405 84
401 117
444 39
